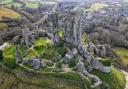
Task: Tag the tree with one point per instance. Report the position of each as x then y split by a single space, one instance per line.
1 55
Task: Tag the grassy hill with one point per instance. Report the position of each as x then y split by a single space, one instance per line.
96 7
7 13
9 3
113 80
19 80
123 53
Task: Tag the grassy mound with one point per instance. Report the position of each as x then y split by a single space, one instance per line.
54 53
113 80
9 56
43 48
40 47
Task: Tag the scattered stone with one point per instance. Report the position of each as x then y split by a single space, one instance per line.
97 65
55 38
5 45
35 63
18 55
28 37
16 40
43 64
69 56
74 52
102 51
106 69
81 67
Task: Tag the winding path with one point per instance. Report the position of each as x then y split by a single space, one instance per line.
126 76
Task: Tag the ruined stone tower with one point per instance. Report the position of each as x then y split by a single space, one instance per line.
73 30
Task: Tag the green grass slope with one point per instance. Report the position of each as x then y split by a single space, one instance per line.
123 53
113 80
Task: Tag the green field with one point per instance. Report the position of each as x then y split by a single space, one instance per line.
123 53
32 5
9 3
96 7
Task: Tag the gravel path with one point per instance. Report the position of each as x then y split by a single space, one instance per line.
126 76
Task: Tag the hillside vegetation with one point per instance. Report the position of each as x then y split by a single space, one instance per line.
19 80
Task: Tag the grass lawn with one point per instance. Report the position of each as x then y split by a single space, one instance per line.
43 41
8 13
32 5
41 45
5 1
9 56
60 33
16 4
114 80
9 50
123 53
70 76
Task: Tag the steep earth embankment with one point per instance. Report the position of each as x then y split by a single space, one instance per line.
20 80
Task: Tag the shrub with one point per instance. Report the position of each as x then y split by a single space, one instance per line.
43 41
106 62
40 48
31 53
59 47
61 50
9 61
1 55
59 65
60 33
73 62
50 54
10 50
1 42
